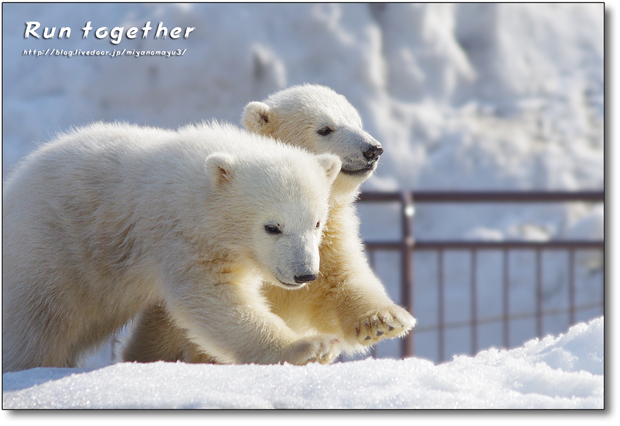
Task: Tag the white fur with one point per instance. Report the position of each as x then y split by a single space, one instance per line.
347 299
110 219
295 115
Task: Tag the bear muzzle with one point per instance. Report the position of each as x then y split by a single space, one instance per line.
365 162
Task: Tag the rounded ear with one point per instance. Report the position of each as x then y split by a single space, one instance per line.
331 163
219 167
255 116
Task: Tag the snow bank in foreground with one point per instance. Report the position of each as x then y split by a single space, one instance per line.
555 372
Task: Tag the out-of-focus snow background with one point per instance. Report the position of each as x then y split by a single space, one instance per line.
462 96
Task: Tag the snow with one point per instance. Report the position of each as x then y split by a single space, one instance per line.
556 372
485 92
462 96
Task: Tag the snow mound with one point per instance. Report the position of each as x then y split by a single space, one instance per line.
556 372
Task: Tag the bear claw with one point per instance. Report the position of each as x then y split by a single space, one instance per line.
389 323
322 349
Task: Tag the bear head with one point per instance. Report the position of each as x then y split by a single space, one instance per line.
276 201
321 121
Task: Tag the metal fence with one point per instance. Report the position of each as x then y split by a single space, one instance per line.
406 247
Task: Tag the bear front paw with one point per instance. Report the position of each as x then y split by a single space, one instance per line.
388 323
322 349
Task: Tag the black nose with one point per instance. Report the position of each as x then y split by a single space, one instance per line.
305 278
373 152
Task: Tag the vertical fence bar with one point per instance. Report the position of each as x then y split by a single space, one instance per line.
371 260
506 296
571 287
474 307
440 302
539 293
602 283
406 266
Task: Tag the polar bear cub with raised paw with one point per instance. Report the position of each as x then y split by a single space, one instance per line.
110 219
347 299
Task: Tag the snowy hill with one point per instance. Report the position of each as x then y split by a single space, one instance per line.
461 95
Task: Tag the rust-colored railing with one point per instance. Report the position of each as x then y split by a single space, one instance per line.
406 246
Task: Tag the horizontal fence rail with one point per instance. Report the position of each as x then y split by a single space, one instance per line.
486 196
406 245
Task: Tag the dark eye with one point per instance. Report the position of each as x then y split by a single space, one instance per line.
324 131
272 229
318 224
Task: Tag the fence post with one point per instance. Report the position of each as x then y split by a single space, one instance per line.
407 211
